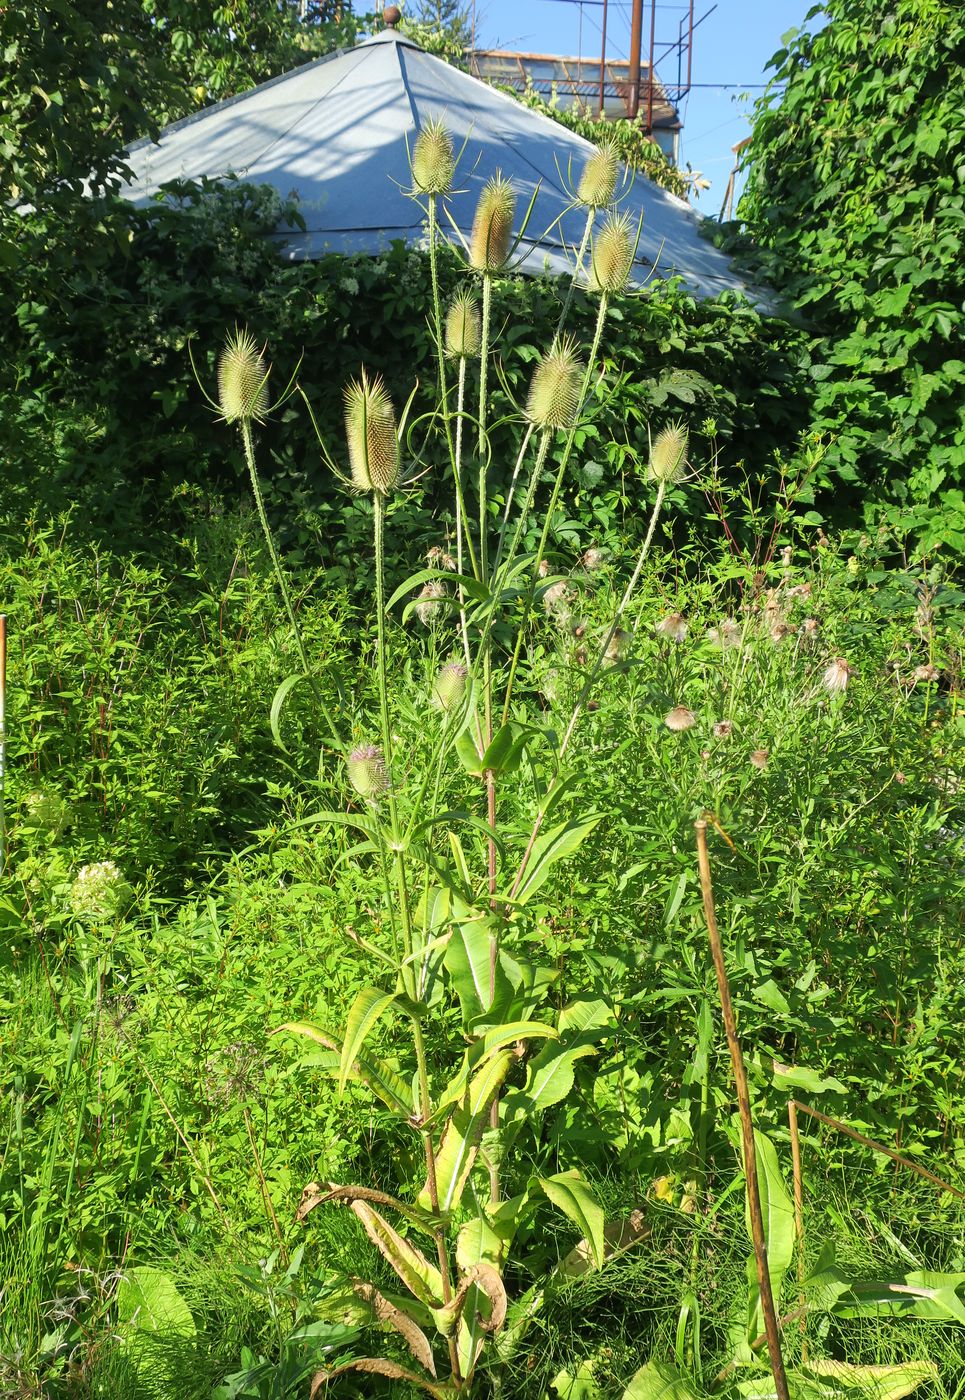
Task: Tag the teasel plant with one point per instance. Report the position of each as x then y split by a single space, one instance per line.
457 883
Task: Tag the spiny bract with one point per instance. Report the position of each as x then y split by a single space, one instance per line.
599 179
463 332
373 442
612 256
668 455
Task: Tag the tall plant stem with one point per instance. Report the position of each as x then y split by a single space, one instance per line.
3 734
798 1220
587 230
588 684
398 859
554 501
461 505
487 297
771 1329
249 446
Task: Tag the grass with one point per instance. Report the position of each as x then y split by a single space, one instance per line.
150 1118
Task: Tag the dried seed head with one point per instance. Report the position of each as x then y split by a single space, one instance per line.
367 772
612 258
45 811
810 627
593 559
674 626
433 159
100 893
925 673
787 556
617 647
430 601
599 179
544 568
800 590
837 676
492 227
450 686
668 455
441 559
242 380
554 394
723 729
463 332
373 443
679 718
779 631
728 634
759 758
556 601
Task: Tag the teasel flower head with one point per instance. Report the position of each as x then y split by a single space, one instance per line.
837 676
492 227
450 686
611 260
430 601
674 626
723 729
759 758
100 893
373 441
679 718
554 394
45 811
668 454
242 380
599 179
463 327
367 772
433 162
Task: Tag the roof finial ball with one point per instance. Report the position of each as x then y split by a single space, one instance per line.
391 16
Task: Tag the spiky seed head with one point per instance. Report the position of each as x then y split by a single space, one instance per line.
463 332
100 893
373 443
668 454
599 179
492 227
242 379
612 258
679 718
433 159
45 811
554 394
450 686
367 772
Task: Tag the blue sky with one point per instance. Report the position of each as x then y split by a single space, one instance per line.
731 46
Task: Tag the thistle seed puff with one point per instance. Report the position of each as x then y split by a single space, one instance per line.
366 771
492 227
242 380
617 647
430 601
723 729
837 676
373 443
674 626
433 159
611 260
450 686
759 758
593 559
438 558
599 179
679 718
668 455
463 332
554 394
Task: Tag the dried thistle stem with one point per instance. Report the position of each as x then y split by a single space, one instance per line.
798 1220
772 1331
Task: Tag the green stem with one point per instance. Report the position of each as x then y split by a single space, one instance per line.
483 387
590 216
554 501
461 507
249 445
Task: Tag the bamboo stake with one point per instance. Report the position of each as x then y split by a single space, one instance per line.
771 1329
879 1147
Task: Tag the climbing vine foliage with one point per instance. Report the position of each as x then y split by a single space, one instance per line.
856 173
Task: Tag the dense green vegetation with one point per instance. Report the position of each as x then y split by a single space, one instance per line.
348 835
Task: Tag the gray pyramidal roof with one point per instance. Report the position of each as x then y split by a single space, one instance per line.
334 134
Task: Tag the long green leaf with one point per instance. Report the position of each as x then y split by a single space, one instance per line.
372 1071
555 846
570 1194
777 1211
277 705
549 1079
467 962
463 1133
421 1278
658 1380
369 1005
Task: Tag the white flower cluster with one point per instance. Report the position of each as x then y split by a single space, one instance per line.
99 893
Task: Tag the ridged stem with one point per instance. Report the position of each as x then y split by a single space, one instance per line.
249 446
588 228
461 505
483 388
